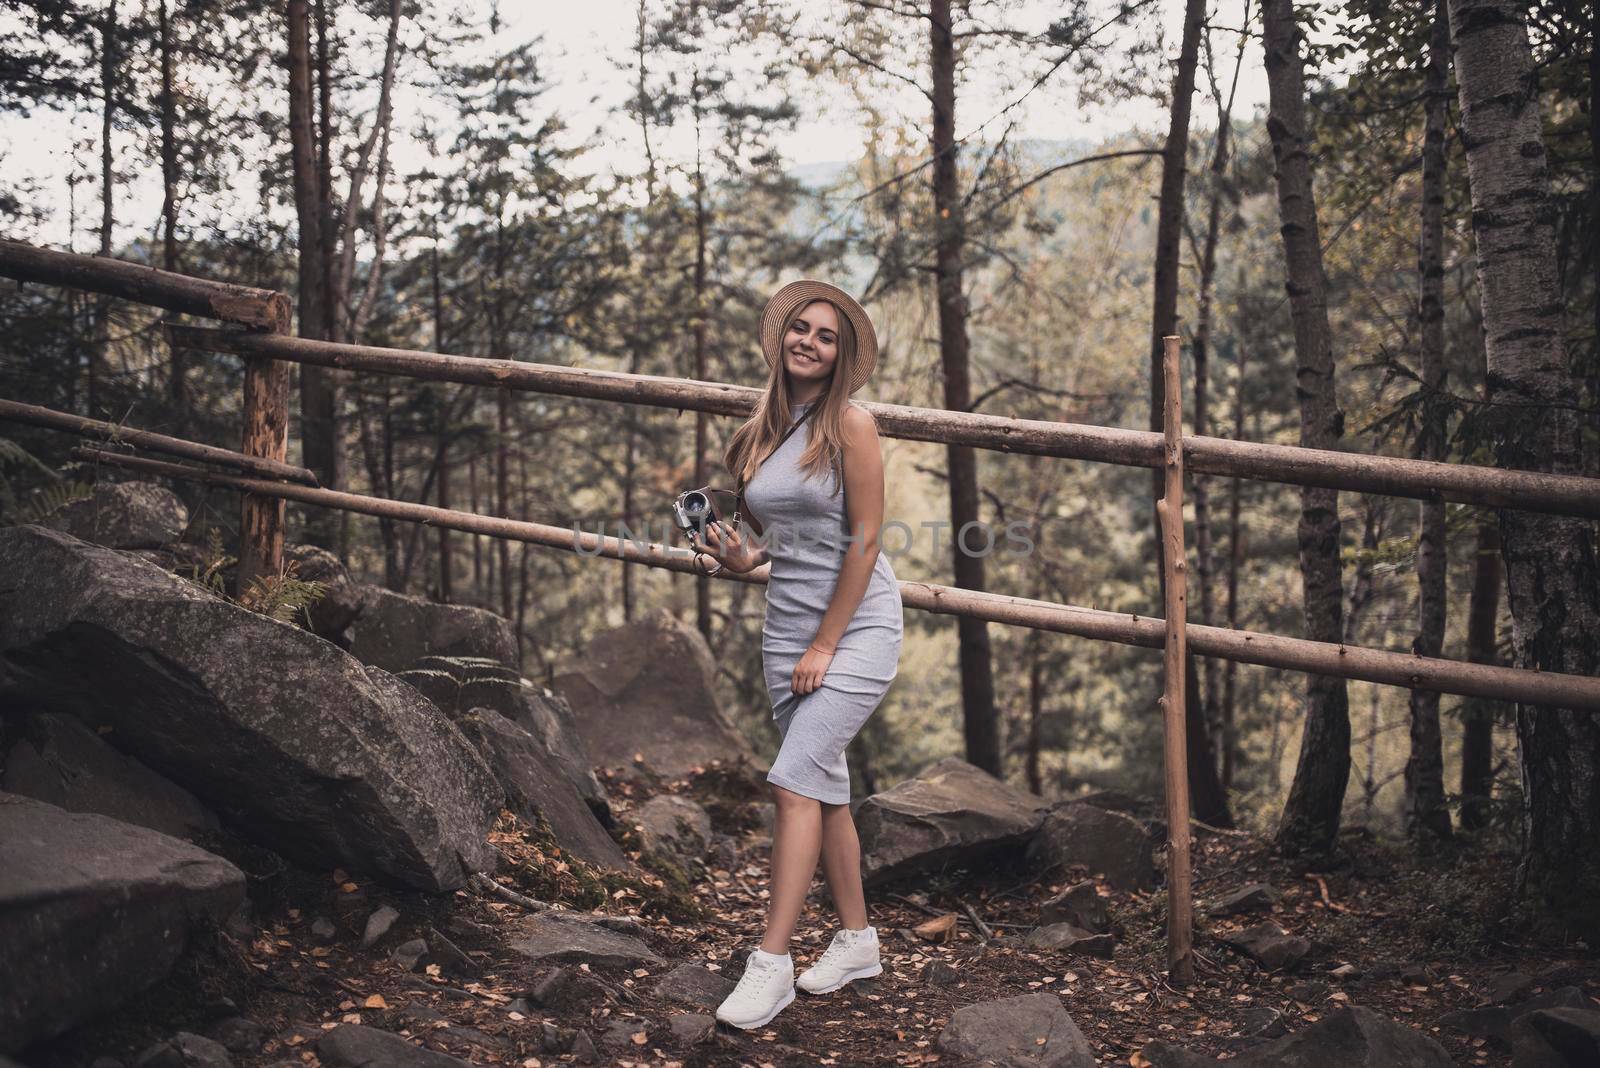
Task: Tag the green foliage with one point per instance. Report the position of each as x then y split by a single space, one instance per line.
208 572
463 672
19 505
280 596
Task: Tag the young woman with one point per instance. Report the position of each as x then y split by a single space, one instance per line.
831 641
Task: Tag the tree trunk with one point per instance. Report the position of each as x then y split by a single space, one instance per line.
317 396
1230 671
1210 803
446 565
477 540
1362 589
979 724
1479 714
178 370
1035 712
502 488
324 151
100 345
1203 549
350 315
1316 797
1552 576
446 558
702 586
1427 819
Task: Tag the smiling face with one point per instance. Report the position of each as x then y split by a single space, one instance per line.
811 347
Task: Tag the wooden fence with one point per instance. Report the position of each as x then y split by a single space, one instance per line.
266 481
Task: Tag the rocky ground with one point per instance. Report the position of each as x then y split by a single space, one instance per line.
331 967
254 829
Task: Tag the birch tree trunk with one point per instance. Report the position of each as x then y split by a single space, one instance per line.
1427 819
1316 797
1552 577
977 670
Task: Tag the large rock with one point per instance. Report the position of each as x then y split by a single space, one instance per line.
673 828
1105 842
1556 1038
950 813
694 984
63 762
647 688
185 1050
395 632
1348 1038
92 911
460 658
1269 946
342 599
355 1046
534 783
1495 1021
280 732
1030 1031
556 938
549 717
457 684
1065 938
1256 897
1080 905
125 515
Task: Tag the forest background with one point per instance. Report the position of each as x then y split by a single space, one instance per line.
446 177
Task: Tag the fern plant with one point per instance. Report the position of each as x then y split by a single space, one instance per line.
280 596
283 595
207 574
18 506
463 672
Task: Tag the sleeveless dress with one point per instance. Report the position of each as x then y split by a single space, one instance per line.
805 525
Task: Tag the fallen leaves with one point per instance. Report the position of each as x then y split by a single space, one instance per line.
937 929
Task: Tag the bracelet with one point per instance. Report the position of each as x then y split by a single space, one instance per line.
715 571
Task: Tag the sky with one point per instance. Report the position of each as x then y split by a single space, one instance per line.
583 45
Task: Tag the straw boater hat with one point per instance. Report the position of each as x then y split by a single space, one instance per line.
797 295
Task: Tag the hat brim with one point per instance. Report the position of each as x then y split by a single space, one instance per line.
797 295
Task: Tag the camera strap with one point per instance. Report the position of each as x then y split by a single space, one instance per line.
738 508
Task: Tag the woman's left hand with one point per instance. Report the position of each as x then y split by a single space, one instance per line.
812 667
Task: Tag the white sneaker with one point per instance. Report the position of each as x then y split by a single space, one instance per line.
851 955
763 991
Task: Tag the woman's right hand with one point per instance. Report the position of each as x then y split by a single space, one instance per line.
725 545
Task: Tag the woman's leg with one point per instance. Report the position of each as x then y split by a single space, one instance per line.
841 864
796 844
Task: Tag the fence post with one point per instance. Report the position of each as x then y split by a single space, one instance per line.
266 434
1180 905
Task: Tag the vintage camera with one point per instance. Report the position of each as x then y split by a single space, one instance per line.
696 509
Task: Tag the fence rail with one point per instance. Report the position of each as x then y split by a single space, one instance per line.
1533 491
1247 647
263 309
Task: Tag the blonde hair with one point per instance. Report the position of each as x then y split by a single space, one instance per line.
753 442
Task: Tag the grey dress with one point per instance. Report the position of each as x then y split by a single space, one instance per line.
805 525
